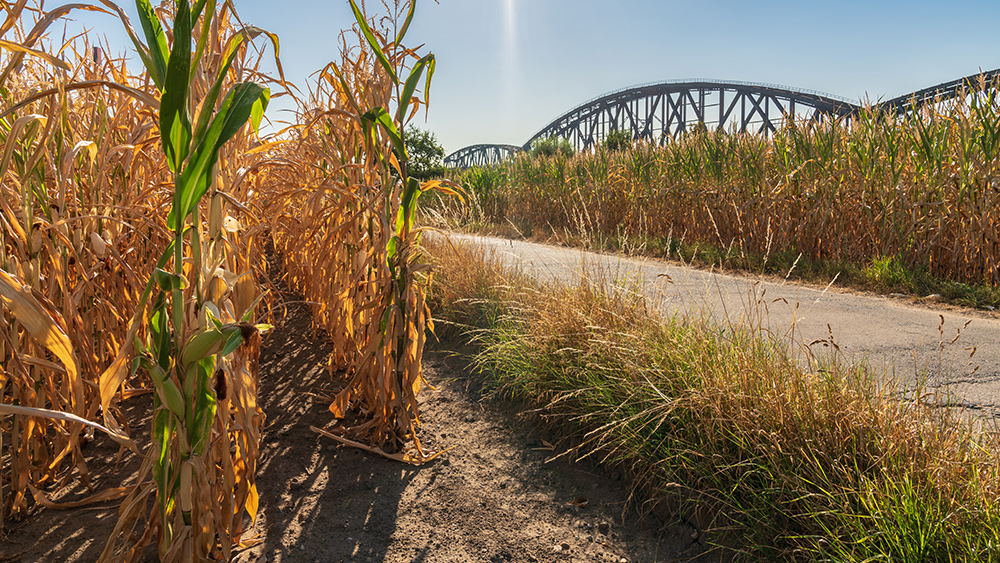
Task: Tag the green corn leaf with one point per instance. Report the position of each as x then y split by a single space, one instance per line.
381 117
161 337
373 42
204 407
196 10
166 484
208 105
431 66
232 343
157 373
168 281
162 429
407 207
158 52
245 35
383 323
257 110
411 85
187 187
406 23
211 316
205 29
244 100
391 250
175 126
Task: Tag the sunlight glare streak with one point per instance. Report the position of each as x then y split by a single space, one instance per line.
509 55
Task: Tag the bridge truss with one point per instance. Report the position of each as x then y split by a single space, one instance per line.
480 155
657 112
661 111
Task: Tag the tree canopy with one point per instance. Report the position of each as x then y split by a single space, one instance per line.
426 154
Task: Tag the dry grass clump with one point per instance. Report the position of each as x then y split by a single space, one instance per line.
721 422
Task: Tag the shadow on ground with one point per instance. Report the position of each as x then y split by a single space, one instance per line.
492 498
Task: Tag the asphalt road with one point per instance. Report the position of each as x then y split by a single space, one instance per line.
911 340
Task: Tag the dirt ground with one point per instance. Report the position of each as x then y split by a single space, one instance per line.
492 498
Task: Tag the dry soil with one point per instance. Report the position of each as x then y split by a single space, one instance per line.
493 497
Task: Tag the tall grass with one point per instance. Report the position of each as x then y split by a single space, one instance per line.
921 188
720 423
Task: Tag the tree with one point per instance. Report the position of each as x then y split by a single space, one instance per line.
425 154
618 140
551 146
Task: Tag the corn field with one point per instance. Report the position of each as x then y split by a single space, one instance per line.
922 188
138 213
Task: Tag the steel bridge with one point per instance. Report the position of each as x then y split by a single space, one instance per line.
661 111
480 155
655 111
944 91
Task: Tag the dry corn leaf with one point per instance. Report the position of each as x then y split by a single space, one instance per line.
339 405
18 48
103 496
37 320
65 416
406 457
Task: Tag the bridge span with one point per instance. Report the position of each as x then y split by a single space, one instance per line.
658 112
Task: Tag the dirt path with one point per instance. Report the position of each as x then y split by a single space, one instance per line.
899 334
493 498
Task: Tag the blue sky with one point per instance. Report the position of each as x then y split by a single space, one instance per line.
506 68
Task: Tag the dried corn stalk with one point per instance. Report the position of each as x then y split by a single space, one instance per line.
346 230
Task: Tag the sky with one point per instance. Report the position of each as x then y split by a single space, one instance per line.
506 68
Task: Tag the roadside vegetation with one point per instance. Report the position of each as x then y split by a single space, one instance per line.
722 425
891 203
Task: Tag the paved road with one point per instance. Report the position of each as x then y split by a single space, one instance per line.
889 333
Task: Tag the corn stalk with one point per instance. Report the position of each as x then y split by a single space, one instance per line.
201 487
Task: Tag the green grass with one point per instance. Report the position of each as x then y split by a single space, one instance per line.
771 462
